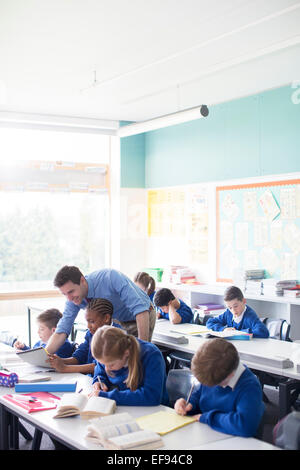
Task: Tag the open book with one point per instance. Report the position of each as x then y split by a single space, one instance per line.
121 431
73 404
232 334
189 329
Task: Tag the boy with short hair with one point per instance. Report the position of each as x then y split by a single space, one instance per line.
47 322
229 396
170 308
238 316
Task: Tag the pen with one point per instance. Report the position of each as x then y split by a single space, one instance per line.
80 390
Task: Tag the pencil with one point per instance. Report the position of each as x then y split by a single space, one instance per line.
190 393
99 380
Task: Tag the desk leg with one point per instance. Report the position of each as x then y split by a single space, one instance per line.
14 432
4 428
29 326
288 394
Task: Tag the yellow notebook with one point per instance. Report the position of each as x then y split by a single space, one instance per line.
163 422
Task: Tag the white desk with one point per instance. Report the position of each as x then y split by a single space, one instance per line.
237 443
72 431
258 346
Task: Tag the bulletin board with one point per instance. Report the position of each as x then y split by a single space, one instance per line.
179 215
258 226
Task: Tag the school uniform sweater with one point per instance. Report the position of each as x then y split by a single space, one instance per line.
184 311
64 351
151 390
250 323
83 353
236 410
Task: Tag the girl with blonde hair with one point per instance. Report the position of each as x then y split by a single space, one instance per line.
130 371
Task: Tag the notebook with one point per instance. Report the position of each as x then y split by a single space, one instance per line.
79 404
121 431
36 356
42 401
163 422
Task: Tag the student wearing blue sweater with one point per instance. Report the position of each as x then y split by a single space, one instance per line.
98 313
228 397
129 370
47 322
238 316
170 308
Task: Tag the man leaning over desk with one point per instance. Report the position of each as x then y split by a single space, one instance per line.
131 305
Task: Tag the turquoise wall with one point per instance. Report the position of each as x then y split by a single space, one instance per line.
253 136
133 161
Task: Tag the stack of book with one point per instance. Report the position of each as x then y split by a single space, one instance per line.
254 274
253 287
202 311
210 308
182 275
253 281
292 292
269 287
281 286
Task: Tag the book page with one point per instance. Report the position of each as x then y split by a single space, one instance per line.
73 400
100 404
118 418
105 432
163 422
189 329
127 441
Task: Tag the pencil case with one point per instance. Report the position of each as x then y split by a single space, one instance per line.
8 380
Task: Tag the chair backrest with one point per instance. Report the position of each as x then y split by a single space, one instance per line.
274 326
285 331
179 383
7 337
286 433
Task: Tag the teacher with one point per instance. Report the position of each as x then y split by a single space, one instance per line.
131 306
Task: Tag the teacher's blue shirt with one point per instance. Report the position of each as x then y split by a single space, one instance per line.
128 299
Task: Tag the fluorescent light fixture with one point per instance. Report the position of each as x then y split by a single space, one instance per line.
163 121
57 123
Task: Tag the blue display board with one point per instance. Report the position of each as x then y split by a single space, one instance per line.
258 226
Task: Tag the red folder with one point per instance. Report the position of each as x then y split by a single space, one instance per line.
44 401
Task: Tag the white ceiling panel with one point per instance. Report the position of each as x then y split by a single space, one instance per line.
137 60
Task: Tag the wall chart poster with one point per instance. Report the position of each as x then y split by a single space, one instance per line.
258 226
181 214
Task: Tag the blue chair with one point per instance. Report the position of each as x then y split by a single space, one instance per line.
178 384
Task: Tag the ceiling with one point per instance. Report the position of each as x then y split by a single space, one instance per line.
139 59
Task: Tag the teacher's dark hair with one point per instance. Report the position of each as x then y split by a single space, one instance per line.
66 274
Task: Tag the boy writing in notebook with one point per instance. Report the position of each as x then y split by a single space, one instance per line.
238 316
229 396
98 313
47 322
171 308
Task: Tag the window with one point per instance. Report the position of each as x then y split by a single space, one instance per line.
54 205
